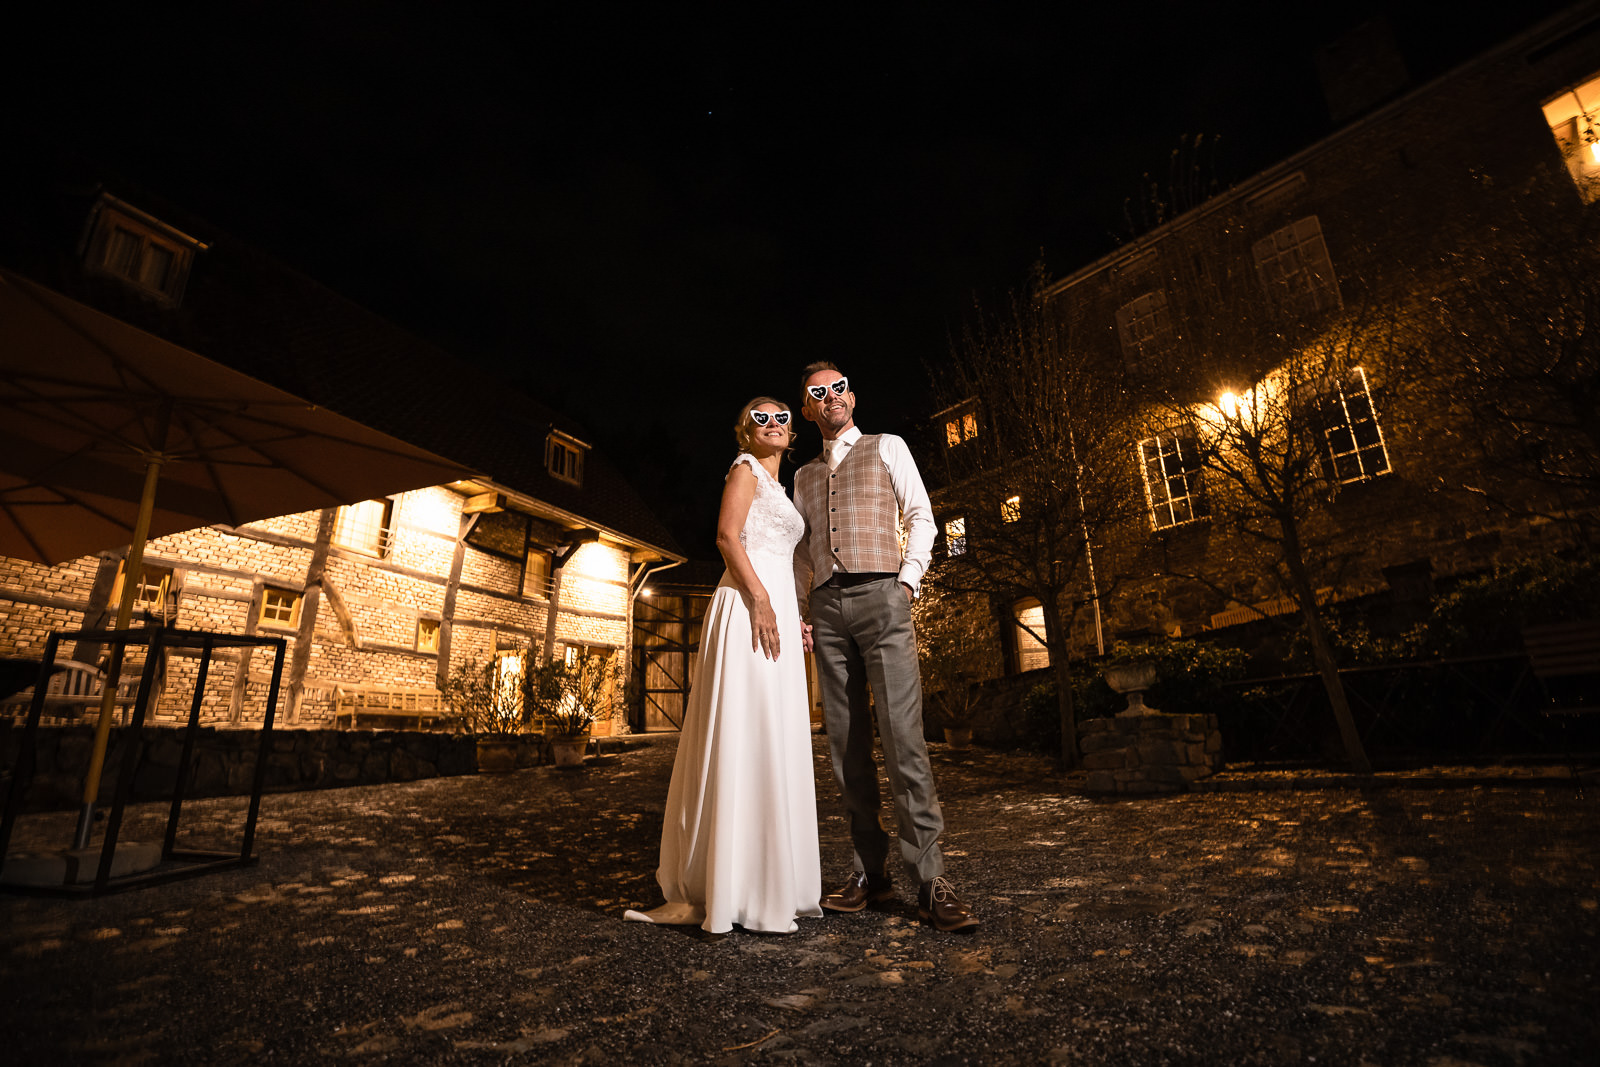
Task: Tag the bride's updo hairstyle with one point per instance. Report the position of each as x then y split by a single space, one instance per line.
744 430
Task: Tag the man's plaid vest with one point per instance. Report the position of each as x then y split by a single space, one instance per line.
851 514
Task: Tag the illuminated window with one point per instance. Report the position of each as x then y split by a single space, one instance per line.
1356 450
427 635
152 594
1572 116
536 573
1295 270
279 607
1031 653
960 428
1143 326
364 526
508 676
563 457
1011 509
1171 466
140 251
955 536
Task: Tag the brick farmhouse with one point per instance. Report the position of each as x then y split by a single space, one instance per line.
539 548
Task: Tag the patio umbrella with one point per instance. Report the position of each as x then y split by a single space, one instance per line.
90 407
110 435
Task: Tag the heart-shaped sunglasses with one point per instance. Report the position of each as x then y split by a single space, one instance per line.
840 386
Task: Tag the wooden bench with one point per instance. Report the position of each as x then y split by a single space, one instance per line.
1565 657
413 708
73 694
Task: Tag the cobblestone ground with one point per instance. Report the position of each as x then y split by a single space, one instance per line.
477 920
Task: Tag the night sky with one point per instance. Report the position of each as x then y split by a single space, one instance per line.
646 213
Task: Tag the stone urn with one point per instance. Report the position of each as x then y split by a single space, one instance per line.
1132 679
958 736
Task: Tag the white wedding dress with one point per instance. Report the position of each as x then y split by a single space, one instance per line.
739 845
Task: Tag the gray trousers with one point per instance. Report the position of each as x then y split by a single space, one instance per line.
863 635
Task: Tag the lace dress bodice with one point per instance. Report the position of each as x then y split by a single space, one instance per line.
773 527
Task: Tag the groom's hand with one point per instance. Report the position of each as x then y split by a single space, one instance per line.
910 596
805 635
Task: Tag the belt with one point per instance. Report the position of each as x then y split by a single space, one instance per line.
842 580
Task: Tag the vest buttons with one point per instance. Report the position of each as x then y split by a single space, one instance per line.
836 529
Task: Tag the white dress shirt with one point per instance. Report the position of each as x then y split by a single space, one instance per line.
916 511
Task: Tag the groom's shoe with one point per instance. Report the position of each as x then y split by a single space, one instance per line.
938 903
858 891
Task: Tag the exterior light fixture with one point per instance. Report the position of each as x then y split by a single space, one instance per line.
1229 405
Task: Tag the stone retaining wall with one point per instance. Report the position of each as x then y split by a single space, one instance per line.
1154 753
225 760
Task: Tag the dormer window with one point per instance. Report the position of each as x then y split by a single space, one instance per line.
139 250
563 457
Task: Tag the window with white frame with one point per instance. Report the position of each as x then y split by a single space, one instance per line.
1350 429
1031 652
563 457
1143 326
1573 116
1011 509
364 527
1295 270
955 536
1171 466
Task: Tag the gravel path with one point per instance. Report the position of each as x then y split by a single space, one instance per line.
477 920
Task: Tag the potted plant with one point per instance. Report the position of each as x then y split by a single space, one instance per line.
590 684
488 703
567 699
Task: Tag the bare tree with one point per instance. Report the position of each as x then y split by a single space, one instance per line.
1511 347
1037 441
1264 400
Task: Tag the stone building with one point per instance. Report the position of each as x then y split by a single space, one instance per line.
1359 253
540 547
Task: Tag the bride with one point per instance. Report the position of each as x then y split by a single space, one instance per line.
739 845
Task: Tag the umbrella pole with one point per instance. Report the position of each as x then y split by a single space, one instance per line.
108 699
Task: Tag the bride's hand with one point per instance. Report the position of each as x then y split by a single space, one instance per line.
764 629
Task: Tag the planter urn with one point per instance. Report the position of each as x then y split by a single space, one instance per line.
1133 679
497 754
568 751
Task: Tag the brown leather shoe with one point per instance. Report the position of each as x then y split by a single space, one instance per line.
859 890
937 902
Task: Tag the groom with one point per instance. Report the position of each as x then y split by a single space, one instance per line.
850 568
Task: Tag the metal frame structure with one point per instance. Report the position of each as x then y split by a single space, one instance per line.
175 862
